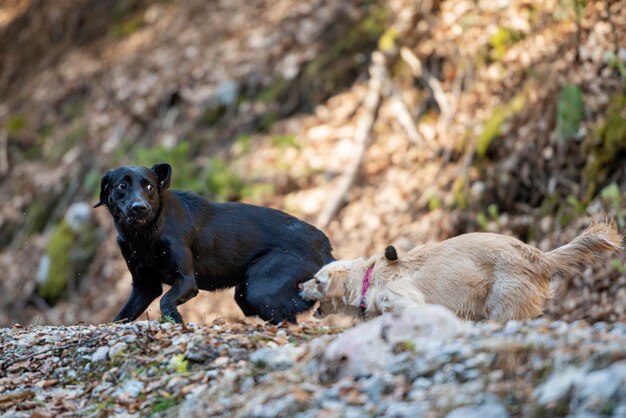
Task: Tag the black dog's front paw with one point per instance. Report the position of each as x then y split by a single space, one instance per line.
120 320
172 315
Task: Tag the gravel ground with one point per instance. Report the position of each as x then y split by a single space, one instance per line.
424 362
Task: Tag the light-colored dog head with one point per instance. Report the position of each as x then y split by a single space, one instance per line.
329 281
339 283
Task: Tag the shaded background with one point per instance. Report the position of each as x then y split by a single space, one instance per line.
506 116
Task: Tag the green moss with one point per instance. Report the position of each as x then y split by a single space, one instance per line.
91 182
612 197
387 41
215 180
185 175
128 26
38 214
459 190
128 17
570 111
268 120
274 91
501 40
404 346
15 124
492 214
59 248
285 141
212 115
243 144
493 127
162 404
618 265
434 202
606 149
178 363
222 183
616 63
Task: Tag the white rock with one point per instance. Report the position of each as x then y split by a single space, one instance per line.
601 385
117 349
369 346
558 385
100 354
488 410
78 215
131 388
276 358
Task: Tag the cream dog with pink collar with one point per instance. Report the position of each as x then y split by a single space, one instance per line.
476 276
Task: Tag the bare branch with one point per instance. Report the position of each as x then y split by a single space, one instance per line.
362 139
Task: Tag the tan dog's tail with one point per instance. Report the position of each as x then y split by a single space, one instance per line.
572 258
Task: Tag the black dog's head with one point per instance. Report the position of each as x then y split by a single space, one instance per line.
132 194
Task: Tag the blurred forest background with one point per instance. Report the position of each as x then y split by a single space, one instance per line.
381 122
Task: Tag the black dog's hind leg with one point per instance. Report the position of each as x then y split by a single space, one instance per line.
271 291
141 296
241 291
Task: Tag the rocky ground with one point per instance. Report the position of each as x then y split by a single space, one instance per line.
424 362
515 124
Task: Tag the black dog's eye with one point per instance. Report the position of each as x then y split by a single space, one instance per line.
149 187
122 186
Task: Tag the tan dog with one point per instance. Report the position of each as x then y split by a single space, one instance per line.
477 276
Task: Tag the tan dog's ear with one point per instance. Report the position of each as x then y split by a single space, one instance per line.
334 286
390 253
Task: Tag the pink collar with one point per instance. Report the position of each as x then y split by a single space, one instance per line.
367 280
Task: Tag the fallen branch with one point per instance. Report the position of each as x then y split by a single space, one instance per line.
362 137
418 71
401 110
4 153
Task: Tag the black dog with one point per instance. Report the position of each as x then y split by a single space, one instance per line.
186 241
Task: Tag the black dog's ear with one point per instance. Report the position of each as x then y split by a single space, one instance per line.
104 189
391 254
163 173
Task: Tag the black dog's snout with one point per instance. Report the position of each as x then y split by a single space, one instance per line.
139 207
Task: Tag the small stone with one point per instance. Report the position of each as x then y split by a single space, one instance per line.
117 349
558 385
601 385
226 92
488 410
276 358
102 387
130 388
100 354
175 384
620 411
406 410
377 385
196 355
285 406
512 327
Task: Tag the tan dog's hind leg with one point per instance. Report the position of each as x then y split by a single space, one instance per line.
515 297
